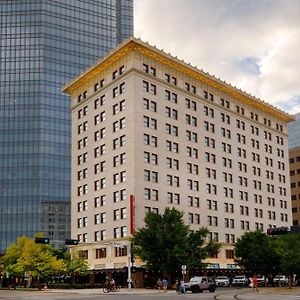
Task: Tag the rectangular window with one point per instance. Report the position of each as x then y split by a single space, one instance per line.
99 201
100 252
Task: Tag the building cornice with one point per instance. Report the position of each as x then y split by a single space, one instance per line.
133 44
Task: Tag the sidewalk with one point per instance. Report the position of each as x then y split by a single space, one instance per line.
240 293
8 293
123 291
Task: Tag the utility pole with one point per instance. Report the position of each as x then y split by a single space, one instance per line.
129 265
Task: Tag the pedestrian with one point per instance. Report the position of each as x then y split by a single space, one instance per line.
255 283
182 287
177 285
159 284
165 284
135 284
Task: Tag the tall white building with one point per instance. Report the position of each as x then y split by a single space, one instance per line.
150 131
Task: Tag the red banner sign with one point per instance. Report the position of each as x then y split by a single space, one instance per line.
132 214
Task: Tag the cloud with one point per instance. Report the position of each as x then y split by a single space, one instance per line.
252 44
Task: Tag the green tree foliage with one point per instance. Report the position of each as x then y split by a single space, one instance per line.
198 249
166 242
255 253
35 259
10 261
287 248
76 266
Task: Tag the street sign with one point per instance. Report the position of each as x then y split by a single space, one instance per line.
183 267
183 272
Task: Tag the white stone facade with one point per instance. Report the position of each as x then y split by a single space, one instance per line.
148 125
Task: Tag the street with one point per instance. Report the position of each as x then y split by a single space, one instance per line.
124 294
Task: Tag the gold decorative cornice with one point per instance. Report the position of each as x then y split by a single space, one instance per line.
97 68
133 44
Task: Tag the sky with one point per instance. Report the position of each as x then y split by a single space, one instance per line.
252 44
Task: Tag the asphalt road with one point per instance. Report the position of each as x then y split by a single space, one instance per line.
220 294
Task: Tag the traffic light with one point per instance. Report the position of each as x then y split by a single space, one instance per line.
277 230
40 240
71 242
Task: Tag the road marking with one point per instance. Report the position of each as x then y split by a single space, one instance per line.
266 297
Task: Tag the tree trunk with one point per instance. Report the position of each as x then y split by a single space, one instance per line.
73 280
290 281
39 284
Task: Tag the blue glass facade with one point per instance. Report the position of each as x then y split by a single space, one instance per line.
44 44
294 132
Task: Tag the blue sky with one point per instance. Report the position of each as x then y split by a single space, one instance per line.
253 44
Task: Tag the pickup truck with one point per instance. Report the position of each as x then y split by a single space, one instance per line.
200 284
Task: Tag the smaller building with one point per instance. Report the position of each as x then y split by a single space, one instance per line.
55 221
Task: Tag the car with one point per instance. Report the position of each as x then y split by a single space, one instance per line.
282 278
260 281
198 284
239 280
222 281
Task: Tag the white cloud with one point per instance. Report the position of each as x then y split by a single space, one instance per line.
251 44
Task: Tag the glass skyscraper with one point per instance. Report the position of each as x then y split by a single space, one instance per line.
294 132
44 44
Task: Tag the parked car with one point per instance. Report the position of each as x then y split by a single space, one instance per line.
222 281
199 284
239 280
283 280
260 281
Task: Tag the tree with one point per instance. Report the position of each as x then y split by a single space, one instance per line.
197 241
10 259
39 260
26 257
166 242
254 252
76 266
287 248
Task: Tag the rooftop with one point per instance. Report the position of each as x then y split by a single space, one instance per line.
134 44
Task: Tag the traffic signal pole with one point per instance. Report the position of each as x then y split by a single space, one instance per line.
42 240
